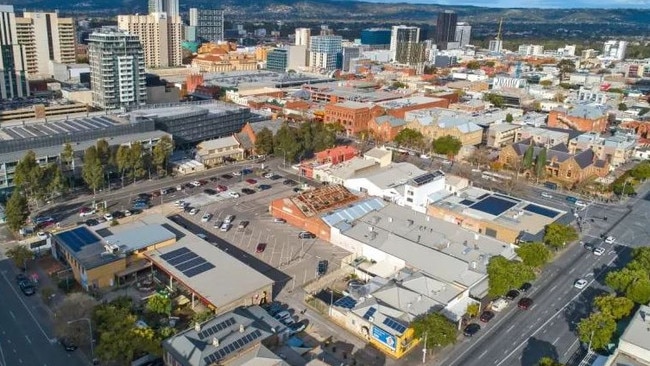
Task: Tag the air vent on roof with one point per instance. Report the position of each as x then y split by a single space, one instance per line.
215 341
241 328
197 326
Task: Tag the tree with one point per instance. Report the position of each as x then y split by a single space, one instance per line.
548 361
504 274
288 141
103 151
74 306
480 156
57 185
438 329
546 83
159 304
622 107
534 254
566 66
409 137
540 163
136 161
597 330
640 259
92 171
161 154
473 309
527 160
557 235
614 306
202 316
509 118
496 100
20 254
447 145
633 283
28 175
399 85
16 211
473 65
67 156
123 161
264 142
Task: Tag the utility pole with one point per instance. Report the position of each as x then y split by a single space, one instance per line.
424 349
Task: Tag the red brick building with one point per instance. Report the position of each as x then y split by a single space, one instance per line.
353 116
385 128
583 118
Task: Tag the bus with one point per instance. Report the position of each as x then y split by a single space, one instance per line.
495 177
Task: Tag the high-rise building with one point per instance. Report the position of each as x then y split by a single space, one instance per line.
446 29
376 37
208 24
13 67
496 45
323 51
302 37
277 60
58 45
463 34
530 50
164 6
160 35
117 71
402 43
614 49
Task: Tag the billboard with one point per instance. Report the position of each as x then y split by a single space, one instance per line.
383 337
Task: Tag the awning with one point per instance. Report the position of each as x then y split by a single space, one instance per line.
135 267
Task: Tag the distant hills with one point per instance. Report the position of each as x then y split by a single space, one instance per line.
353 11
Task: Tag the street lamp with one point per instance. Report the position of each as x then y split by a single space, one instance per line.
90 335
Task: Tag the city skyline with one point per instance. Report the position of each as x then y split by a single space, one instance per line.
531 4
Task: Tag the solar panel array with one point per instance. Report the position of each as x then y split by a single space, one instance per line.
77 238
398 327
186 261
425 178
216 328
369 313
232 347
346 302
541 210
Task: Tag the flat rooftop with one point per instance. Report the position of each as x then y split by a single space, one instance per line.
441 249
638 331
354 92
183 109
15 130
408 101
515 213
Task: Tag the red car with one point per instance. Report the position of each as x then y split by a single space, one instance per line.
251 181
525 303
260 247
221 188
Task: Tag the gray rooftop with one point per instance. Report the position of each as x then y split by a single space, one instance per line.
393 121
638 331
392 176
353 212
408 101
134 237
177 110
16 130
588 111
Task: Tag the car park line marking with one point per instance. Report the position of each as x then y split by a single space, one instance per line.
511 327
28 340
482 354
555 341
12 314
553 288
572 269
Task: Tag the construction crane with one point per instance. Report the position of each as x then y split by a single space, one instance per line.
498 38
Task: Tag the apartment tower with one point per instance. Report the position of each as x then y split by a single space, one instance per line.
160 35
46 38
404 44
208 24
323 51
117 71
463 34
13 67
446 29
164 6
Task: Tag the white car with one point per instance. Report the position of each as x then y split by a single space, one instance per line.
179 187
233 194
610 240
127 213
236 173
580 284
179 203
599 251
42 235
194 211
546 195
225 227
206 217
196 183
108 217
268 175
86 212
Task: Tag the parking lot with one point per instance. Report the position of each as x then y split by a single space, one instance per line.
284 250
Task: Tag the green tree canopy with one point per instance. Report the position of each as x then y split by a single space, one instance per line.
495 99
548 361
264 142
17 210
504 274
93 171
622 107
527 160
546 83
633 283
438 329
20 254
640 259
557 235
597 330
473 65
509 118
287 141
473 310
410 138
28 175
136 161
447 145
540 163
159 304
160 155
74 306
614 306
566 66
534 254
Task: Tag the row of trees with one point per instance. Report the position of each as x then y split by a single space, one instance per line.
625 183
505 274
445 145
296 143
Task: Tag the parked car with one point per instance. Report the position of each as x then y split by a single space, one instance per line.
525 287
511 295
589 246
288 321
217 224
251 181
203 182
471 329
260 248
246 171
263 187
580 284
525 303
236 173
92 222
233 194
321 269
21 277
68 345
268 175
140 205
194 211
108 217
279 220
225 227
486 316
547 195
221 188
499 304
247 191
118 214
209 192
127 213
195 183
206 217
275 177
289 182
242 225
27 287
85 211
281 315
229 219
599 251
306 235
610 240
43 235
226 176
297 327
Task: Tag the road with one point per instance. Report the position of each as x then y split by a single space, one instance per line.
25 328
520 337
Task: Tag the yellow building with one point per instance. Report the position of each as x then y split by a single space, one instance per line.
433 124
223 57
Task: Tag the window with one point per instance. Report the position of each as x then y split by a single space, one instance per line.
568 174
410 193
410 200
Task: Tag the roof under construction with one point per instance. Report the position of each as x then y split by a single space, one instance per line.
322 199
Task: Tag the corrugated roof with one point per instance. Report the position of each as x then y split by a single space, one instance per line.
140 237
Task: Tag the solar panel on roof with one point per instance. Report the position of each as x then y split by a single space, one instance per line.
424 179
346 302
541 210
217 327
369 313
198 269
182 258
394 325
175 253
467 202
190 264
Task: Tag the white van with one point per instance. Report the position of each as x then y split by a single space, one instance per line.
499 305
581 204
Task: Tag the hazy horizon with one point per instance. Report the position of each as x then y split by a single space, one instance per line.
542 4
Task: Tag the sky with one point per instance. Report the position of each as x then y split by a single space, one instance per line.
610 4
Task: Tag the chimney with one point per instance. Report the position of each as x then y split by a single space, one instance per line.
215 341
241 328
197 326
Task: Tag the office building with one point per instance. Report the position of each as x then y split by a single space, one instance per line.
405 45
57 46
463 34
116 69
496 45
376 37
277 60
164 6
614 49
297 58
323 51
345 57
208 24
13 67
160 36
446 29
531 50
303 37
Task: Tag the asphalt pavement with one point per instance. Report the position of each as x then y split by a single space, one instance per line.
26 336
